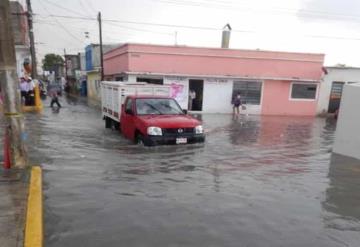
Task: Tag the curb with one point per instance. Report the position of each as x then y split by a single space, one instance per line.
34 216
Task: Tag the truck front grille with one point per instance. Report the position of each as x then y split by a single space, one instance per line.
178 131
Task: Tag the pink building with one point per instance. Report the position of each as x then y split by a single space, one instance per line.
270 83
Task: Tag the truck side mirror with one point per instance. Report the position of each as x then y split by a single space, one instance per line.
129 111
185 111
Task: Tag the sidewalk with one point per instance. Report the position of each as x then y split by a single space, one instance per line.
13 199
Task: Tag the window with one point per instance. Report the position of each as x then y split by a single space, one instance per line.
159 81
250 91
119 78
128 105
303 91
157 107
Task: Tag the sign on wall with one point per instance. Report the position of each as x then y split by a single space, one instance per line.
179 89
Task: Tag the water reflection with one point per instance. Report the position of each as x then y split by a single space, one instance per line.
243 130
342 196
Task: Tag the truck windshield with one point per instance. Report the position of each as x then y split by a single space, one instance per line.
157 107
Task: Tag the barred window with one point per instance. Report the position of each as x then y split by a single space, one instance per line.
250 91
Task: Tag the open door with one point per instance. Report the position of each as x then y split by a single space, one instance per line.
335 96
196 89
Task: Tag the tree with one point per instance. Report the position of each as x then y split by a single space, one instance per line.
52 62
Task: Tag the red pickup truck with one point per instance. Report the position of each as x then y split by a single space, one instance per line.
153 120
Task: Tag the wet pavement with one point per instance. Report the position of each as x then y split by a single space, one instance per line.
13 198
257 181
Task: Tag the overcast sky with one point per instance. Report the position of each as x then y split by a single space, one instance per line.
320 26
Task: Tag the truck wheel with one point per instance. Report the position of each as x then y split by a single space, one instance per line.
108 122
139 139
114 125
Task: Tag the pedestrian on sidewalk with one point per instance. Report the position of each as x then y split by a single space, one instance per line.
54 98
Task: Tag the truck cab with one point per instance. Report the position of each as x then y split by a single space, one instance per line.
156 120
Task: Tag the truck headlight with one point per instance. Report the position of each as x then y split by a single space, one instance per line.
154 131
199 129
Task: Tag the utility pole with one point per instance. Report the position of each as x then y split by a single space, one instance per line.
101 48
32 42
66 72
9 81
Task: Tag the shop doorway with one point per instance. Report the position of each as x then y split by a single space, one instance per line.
196 103
335 96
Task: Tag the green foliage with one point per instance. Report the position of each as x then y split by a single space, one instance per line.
51 61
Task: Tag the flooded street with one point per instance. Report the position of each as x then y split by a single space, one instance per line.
257 181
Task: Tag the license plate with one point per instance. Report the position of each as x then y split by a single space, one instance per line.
181 140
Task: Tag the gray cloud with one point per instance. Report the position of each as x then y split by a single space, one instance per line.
330 10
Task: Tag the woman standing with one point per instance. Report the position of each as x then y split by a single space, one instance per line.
236 104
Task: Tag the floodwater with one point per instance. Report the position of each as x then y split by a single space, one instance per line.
257 181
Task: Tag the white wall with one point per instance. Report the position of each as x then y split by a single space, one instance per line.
347 136
335 74
180 89
21 52
217 95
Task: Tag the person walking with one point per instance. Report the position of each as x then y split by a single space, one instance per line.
236 104
54 98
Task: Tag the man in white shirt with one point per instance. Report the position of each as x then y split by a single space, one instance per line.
31 91
192 96
24 89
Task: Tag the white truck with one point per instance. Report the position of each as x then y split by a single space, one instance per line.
113 95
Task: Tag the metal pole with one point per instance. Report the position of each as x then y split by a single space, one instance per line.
32 42
9 84
101 48
66 72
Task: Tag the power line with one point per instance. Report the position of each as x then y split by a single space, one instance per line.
63 8
313 14
138 29
198 27
59 23
147 23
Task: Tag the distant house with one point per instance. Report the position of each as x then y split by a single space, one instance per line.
332 86
92 68
270 82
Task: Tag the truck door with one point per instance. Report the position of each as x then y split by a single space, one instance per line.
127 119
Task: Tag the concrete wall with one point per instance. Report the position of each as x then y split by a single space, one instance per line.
93 79
276 100
334 74
116 61
21 53
179 89
217 95
347 138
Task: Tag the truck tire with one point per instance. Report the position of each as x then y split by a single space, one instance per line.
139 139
114 125
108 122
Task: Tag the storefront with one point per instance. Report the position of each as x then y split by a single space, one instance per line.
206 79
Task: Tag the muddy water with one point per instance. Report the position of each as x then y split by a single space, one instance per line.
266 181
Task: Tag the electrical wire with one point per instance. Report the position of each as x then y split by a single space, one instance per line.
59 23
312 14
199 27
